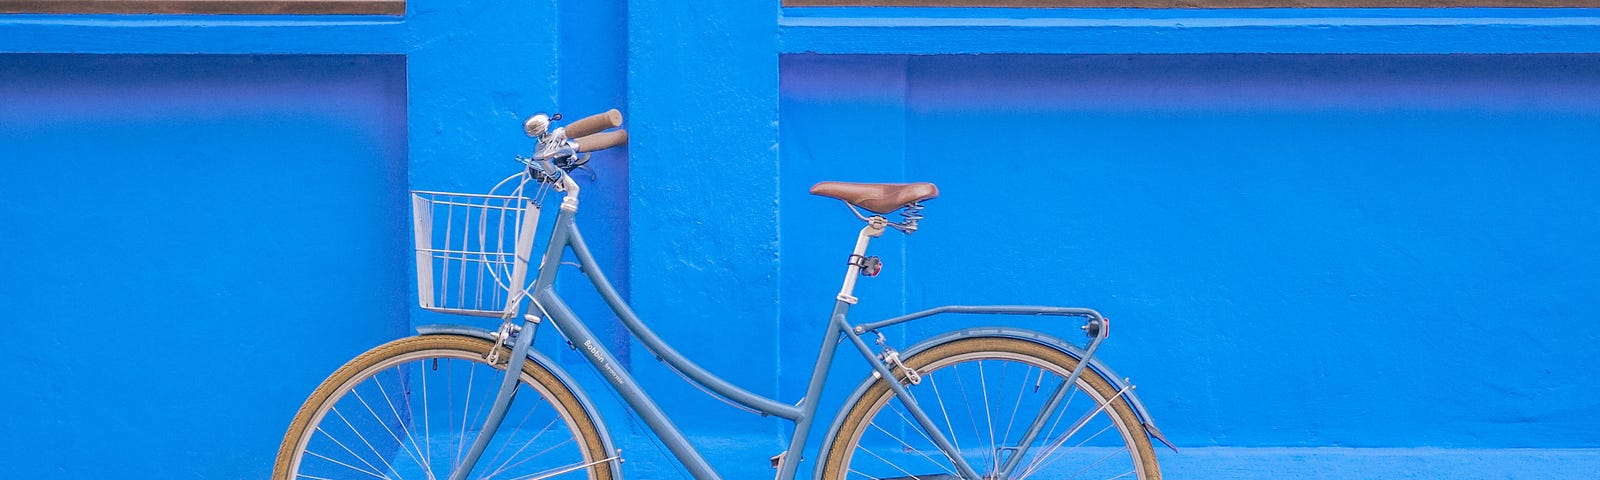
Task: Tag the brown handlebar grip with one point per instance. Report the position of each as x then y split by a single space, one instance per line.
594 124
602 141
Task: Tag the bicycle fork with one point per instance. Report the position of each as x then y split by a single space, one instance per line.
508 389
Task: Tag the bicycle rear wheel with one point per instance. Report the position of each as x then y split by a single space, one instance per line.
411 408
982 393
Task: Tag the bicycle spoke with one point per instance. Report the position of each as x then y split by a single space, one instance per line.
914 425
1049 433
1073 430
988 418
1096 462
1052 458
566 469
955 440
507 443
911 448
886 461
540 454
398 443
1017 406
346 465
424 462
962 387
427 436
548 439
450 405
466 405
347 450
1064 406
1002 374
363 439
507 464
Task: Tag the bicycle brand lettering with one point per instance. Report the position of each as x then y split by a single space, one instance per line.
594 353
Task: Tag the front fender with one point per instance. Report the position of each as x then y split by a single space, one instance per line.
1095 364
543 361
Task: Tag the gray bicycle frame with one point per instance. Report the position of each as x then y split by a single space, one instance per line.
548 304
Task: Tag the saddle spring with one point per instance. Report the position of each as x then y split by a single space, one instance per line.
908 218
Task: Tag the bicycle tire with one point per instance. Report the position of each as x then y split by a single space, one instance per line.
419 357
868 417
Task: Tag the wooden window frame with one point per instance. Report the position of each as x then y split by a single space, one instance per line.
227 7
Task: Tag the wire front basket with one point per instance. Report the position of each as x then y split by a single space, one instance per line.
473 249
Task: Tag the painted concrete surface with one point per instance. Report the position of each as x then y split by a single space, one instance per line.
1296 250
190 244
1388 463
703 261
1301 254
967 31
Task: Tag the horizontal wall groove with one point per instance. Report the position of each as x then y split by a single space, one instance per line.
269 7
979 31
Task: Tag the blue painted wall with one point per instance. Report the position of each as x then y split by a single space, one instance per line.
188 243
1298 250
1302 252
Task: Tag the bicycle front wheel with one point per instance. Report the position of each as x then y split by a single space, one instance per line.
982 393
411 408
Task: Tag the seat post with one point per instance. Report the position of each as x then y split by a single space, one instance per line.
874 229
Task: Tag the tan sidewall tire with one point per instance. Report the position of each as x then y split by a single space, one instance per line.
588 435
855 420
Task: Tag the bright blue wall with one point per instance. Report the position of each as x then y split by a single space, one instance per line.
1297 250
703 178
223 198
1398 239
189 243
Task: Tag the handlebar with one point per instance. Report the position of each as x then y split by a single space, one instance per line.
601 141
594 124
562 145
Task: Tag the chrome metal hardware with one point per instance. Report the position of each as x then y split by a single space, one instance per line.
908 218
502 338
538 125
554 147
891 357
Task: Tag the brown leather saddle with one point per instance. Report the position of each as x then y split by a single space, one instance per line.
878 197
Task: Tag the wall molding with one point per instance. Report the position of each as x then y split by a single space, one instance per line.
252 7
939 31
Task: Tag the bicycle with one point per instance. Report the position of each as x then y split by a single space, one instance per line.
376 416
